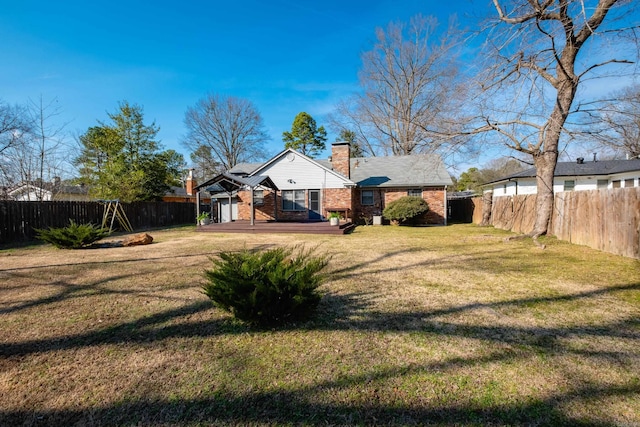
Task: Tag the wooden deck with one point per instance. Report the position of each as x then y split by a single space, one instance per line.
318 227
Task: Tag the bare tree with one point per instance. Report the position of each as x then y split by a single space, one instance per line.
231 127
37 153
619 120
409 90
47 142
542 52
14 121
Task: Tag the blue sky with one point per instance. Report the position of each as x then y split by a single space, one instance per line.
285 56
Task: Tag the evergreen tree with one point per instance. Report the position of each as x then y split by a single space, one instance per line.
204 164
305 136
350 137
122 160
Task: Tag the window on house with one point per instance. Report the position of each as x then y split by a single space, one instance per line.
616 184
415 192
569 185
603 184
293 200
258 197
366 197
628 183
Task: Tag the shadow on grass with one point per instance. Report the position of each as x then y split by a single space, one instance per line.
302 406
299 408
340 312
116 261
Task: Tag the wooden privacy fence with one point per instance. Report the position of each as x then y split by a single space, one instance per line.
18 219
607 220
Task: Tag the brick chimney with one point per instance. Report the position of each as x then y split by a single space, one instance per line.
190 184
340 153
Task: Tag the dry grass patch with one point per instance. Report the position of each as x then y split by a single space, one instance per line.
447 325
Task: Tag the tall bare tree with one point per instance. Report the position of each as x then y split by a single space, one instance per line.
37 151
619 121
231 127
409 90
47 141
542 53
14 121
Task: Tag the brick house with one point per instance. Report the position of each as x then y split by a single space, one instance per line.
293 187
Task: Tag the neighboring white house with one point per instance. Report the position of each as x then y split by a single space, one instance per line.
42 191
572 176
29 193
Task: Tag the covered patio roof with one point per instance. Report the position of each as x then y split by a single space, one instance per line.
232 183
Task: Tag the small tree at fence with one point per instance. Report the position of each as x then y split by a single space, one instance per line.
266 288
405 209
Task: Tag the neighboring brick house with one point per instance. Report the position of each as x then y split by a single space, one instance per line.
294 187
186 194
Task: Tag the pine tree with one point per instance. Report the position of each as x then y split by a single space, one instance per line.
305 136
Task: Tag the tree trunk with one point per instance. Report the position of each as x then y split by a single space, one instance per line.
545 167
487 202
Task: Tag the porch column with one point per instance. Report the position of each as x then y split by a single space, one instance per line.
275 205
197 205
445 205
253 208
230 208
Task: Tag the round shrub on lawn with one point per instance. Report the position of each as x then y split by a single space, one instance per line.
269 287
405 209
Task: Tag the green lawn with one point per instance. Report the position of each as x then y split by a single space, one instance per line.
433 325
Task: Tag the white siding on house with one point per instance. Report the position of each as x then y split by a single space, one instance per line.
511 188
624 177
527 186
295 172
575 177
30 194
581 183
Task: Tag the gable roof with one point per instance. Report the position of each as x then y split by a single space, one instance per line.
289 151
390 171
600 167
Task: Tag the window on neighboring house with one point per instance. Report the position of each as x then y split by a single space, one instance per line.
603 184
628 183
366 197
415 192
569 185
258 197
293 200
616 184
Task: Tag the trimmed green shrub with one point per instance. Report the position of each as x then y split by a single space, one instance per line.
405 209
73 236
269 287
